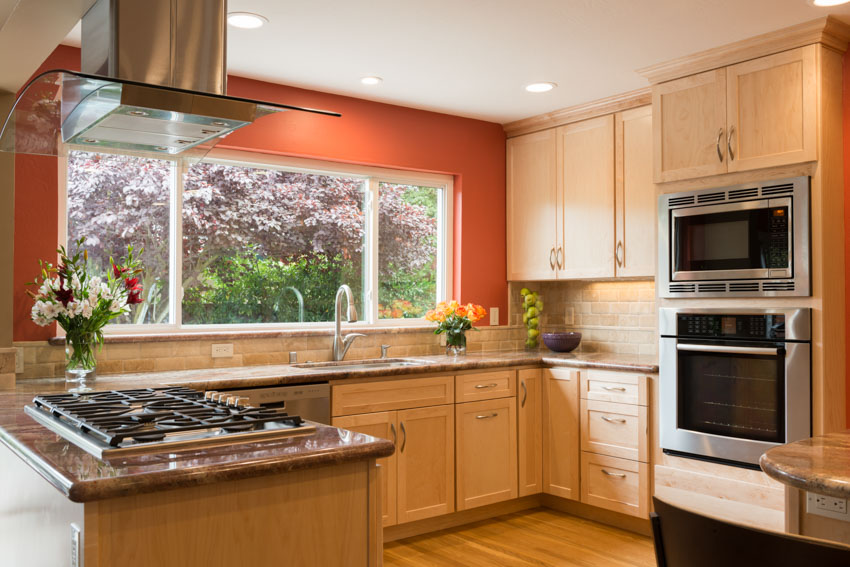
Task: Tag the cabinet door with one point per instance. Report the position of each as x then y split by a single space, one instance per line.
636 204
689 123
530 396
486 452
586 172
561 433
381 425
772 110
531 206
426 465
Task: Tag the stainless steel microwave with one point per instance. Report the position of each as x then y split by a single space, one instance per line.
746 240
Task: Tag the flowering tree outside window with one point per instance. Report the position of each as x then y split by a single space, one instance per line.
259 245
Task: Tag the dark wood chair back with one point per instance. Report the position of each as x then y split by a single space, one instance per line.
686 539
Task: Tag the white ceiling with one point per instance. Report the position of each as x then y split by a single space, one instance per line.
473 57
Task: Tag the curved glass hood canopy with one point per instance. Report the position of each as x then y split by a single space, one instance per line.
60 108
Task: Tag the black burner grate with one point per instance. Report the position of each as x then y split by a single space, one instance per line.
123 417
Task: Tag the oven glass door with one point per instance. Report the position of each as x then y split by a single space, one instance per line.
741 240
732 389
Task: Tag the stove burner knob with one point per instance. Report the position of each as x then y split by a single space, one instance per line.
231 401
210 395
243 402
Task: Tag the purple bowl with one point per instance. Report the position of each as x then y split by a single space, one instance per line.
561 342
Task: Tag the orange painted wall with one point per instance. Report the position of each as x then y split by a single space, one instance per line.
370 133
846 117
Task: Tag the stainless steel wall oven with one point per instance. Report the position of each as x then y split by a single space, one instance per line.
734 383
747 240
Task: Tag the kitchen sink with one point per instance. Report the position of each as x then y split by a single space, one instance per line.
367 364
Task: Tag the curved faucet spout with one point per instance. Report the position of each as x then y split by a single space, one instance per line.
343 343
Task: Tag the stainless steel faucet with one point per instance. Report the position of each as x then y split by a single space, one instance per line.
342 343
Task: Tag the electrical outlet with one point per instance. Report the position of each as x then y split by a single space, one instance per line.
76 549
827 506
494 316
19 360
222 351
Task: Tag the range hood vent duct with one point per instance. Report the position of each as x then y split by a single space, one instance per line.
153 80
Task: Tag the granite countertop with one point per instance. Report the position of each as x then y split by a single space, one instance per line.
819 464
83 477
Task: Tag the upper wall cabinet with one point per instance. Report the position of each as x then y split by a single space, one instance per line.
532 207
760 113
581 200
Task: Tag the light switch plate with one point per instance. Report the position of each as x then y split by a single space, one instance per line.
494 316
222 351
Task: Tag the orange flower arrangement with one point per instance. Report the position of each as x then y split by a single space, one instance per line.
455 319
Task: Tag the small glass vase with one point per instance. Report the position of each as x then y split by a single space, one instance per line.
456 346
79 361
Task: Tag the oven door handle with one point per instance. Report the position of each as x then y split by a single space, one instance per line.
731 349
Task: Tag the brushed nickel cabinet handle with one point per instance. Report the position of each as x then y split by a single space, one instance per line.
613 420
552 258
488 416
614 388
717 143
403 437
559 258
729 143
617 475
618 253
392 430
524 394
482 386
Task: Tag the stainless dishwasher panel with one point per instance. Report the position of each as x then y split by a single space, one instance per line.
310 401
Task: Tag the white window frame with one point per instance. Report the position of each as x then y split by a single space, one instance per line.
372 176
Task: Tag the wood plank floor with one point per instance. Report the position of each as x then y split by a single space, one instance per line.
539 537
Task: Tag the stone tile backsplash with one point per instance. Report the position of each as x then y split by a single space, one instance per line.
617 316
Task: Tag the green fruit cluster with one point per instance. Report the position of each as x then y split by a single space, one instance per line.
533 308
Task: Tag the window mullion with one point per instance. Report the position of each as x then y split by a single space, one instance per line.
176 245
373 187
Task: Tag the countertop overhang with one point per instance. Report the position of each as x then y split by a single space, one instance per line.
819 464
82 477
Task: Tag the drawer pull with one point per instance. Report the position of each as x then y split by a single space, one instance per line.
613 420
614 388
482 386
614 474
488 416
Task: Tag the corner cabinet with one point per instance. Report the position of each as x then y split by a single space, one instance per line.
532 207
755 114
530 427
561 455
592 176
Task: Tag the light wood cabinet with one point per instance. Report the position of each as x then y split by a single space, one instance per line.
756 114
617 430
486 439
561 433
383 425
532 206
426 465
530 425
621 485
485 385
586 175
635 250
385 395
771 110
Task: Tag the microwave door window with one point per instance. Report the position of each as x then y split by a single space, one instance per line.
736 240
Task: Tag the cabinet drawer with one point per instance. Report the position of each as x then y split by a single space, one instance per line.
387 395
616 484
620 387
617 430
485 386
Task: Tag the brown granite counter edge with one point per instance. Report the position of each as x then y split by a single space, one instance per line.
809 481
102 489
600 364
49 473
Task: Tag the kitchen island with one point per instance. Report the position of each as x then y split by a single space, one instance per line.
811 469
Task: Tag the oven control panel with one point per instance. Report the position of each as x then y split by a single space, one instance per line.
731 326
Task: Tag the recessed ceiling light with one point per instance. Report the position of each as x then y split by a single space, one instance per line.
542 87
371 80
827 3
246 20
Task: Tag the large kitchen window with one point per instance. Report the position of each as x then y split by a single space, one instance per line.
236 241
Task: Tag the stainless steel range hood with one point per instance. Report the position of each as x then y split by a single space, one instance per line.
153 80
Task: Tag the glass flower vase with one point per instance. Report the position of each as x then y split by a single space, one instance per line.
79 361
456 344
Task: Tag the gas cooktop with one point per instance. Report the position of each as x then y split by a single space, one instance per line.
158 420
